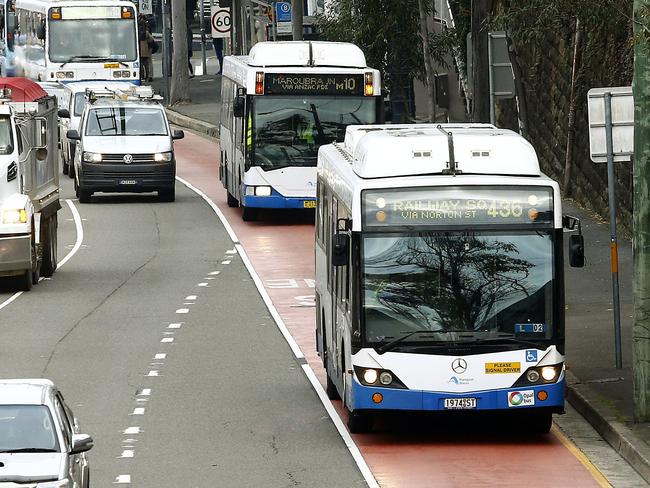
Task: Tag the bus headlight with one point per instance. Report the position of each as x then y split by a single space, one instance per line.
14 216
91 157
263 191
549 373
385 378
532 375
370 376
163 157
117 74
61 75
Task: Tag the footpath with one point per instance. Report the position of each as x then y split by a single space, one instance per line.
599 391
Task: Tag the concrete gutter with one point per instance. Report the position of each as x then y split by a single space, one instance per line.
623 439
200 126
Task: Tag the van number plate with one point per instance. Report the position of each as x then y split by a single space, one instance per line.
128 182
460 403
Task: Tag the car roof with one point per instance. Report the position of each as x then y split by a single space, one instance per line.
25 391
112 102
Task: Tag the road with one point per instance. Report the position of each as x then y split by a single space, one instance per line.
186 375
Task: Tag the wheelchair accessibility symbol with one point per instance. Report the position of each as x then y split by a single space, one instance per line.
531 356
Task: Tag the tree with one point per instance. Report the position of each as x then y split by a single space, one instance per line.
180 88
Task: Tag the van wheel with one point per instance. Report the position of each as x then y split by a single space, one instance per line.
25 280
232 201
84 195
168 195
250 214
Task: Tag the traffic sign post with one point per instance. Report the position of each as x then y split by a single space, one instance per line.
145 7
220 21
283 18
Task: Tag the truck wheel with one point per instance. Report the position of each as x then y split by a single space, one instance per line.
232 201
48 267
84 195
25 280
168 195
250 214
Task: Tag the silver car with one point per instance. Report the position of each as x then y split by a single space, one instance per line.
40 443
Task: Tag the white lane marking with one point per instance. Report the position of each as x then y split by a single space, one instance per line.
141 400
122 479
160 355
153 372
73 251
203 284
209 278
130 441
191 297
167 339
183 310
131 430
145 392
156 363
138 411
226 262
231 251
338 423
127 453
188 303
174 326
349 442
217 210
214 272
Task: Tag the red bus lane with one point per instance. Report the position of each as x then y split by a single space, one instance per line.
282 253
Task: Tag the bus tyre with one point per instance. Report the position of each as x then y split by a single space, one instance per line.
168 195
330 389
84 195
49 231
359 422
232 201
250 214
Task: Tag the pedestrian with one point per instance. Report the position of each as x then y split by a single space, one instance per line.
190 52
146 44
218 50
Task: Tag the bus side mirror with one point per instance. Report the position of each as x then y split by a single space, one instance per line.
238 107
340 249
577 251
73 135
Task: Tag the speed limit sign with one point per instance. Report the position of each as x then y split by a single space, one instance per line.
220 20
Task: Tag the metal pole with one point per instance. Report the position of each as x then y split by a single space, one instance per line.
297 19
204 64
611 192
166 48
491 80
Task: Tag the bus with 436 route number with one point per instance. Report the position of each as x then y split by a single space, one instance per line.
279 105
439 273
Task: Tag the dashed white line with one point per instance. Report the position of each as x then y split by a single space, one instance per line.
160 355
153 372
175 326
203 284
122 479
167 339
131 430
231 251
145 392
183 310
138 411
127 453
226 262
214 273
191 297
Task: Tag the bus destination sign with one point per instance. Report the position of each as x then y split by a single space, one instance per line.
313 84
462 206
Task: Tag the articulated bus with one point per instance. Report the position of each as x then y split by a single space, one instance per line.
439 273
279 104
70 40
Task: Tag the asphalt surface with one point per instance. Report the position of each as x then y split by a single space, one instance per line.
158 339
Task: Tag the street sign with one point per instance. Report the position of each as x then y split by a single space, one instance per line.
145 7
220 21
622 123
283 17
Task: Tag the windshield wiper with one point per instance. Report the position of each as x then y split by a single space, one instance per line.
392 344
29 449
513 340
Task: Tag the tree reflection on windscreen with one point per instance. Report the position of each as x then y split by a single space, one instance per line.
452 281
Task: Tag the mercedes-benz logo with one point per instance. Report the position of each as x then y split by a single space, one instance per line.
128 159
459 365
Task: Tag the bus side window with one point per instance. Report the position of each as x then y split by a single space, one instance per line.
319 211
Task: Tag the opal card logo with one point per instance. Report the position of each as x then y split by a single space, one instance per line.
521 398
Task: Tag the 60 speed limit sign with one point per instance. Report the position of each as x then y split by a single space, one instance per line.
220 20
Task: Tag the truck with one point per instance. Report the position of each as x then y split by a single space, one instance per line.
29 182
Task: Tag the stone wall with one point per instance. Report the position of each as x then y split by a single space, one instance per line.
607 61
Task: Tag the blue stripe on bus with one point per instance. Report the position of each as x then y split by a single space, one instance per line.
400 399
276 201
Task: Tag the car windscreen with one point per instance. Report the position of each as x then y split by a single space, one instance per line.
126 121
6 138
27 428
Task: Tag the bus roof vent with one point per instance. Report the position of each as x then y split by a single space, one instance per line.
306 53
399 150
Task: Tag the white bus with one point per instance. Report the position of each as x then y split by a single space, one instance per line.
70 40
279 104
439 277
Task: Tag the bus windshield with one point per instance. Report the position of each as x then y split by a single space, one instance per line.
289 130
90 40
460 286
6 139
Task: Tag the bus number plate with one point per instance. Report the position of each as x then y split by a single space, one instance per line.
128 182
309 204
460 403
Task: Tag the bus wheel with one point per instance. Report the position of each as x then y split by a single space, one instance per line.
232 201
359 422
330 387
250 214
